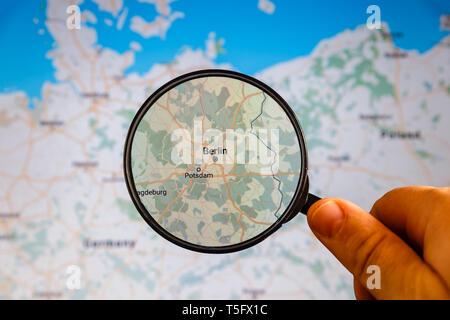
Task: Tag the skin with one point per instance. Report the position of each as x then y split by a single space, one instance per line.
406 234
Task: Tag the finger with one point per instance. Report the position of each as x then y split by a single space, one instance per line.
359 240
361 293
421 216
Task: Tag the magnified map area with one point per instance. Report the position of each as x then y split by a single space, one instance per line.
215 161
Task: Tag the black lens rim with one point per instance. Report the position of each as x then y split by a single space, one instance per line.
294 203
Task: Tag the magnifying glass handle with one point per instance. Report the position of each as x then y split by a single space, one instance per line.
310 200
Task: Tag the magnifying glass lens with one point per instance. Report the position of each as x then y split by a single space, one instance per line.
214 160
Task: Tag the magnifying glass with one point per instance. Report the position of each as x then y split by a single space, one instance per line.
215 161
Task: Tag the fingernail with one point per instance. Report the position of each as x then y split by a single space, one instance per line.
327 218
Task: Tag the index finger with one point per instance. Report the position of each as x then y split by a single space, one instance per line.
421 216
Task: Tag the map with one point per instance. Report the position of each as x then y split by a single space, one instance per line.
373 104
229 182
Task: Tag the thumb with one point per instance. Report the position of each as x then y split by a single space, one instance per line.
359 241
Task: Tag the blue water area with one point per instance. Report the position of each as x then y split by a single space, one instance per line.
23 63
254 40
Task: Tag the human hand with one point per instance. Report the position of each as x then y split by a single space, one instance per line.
407 235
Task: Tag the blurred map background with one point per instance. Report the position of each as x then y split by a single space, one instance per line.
374 105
